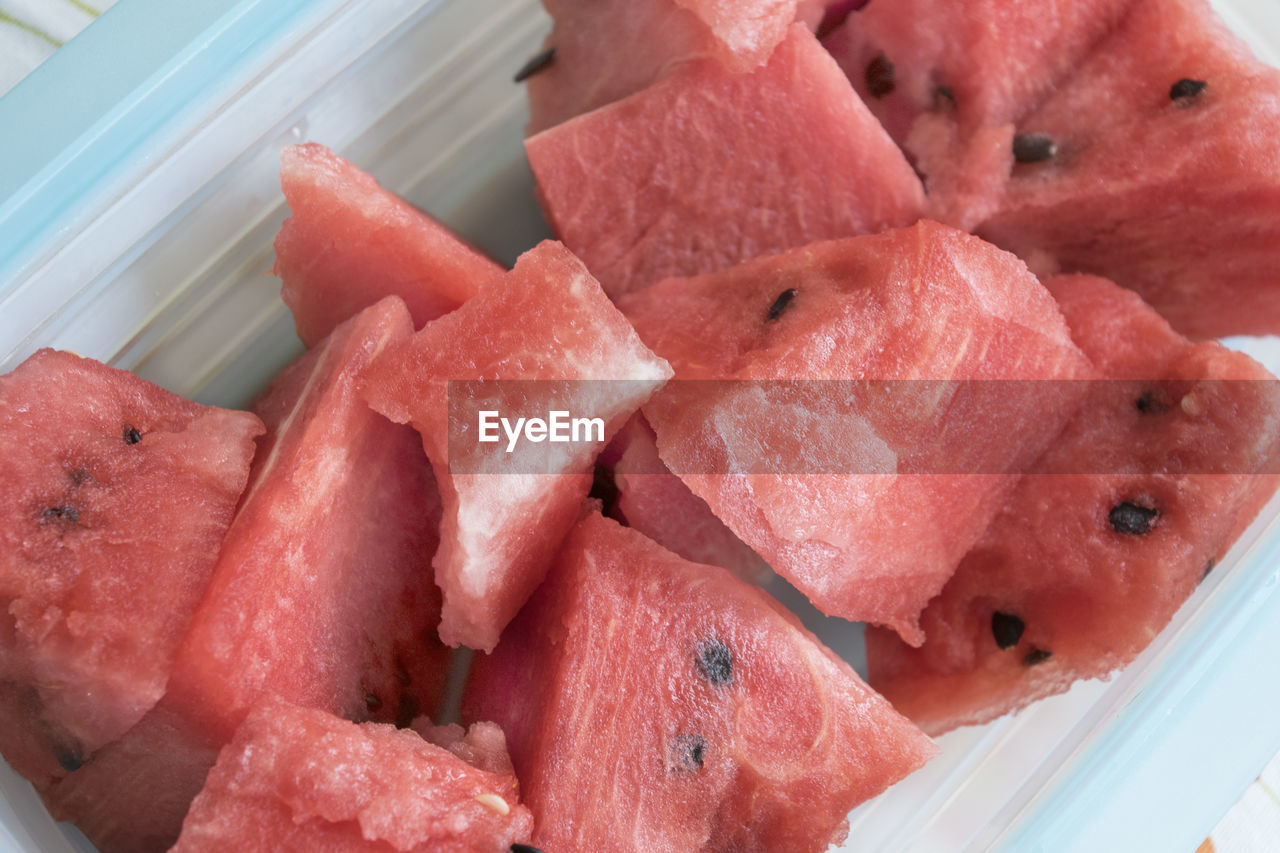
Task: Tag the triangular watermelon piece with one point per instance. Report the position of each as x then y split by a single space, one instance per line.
708 168
601 51
301 779
1126 138
550 336
321 595
114 497
835 428
648 498
729 726
349 243
1164 177
1084 567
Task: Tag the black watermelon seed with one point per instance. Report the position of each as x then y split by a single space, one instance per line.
1186 90
1207 569
406 711
538 62
525 848
402 673
780 304
373 703
944 98
691 751
1034 147
715 662
131 435
1007 629
880 77
78 476
1131 518
1151 403
69 758
69 514
1036 656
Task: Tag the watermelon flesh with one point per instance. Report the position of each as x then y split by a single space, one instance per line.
115 496
321 595
1091 557
302 779
1131 139
1178 199
551 335
729 726
350 243
593 66
877 497
650 499
708 168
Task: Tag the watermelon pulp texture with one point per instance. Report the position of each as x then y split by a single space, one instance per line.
606 50
922 303
321 595
1080 571
708 168
650 499
302 779
349 243
115 495
546 320
730 727
1126 138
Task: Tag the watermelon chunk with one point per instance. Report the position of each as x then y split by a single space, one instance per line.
1175 197
547 320
708 168
349 243
1081 570
865 518
302 779
1126 138
650 499
605 50
321 595
729 727
114 496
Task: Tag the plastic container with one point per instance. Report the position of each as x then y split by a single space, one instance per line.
137 211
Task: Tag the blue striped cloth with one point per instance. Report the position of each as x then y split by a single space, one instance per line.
31 30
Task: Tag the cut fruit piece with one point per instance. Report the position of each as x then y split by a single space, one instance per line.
650 499
321 595
1174 195
605 50
731 727
349 243
115 495
839 431
299 779
709 168
1081 571
550 337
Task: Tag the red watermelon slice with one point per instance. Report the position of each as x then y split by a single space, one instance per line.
301 779
114 496
1126 138
708 168
349 243
1080 571
863 517
547 320
656 704
648 498
1172 188
321 595
601 51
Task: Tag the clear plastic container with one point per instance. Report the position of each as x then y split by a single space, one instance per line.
137 209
